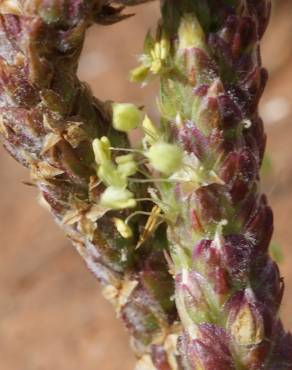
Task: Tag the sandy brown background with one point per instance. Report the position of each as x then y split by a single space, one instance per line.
52 315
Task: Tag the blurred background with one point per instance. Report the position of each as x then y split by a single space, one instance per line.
52 314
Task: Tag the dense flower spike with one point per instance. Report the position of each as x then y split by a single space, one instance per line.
228 289
51 124
201 164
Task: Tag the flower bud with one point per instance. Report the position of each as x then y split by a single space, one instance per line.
270 286
230 113
207 261
210 350
209 201
126 117
245 321
191 300
237 257
117 198
260 225
166 158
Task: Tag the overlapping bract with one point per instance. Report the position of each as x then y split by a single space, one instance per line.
228 289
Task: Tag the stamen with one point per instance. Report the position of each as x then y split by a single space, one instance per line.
142 181
127 150
143 213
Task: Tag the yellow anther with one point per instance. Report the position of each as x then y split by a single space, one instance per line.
123 228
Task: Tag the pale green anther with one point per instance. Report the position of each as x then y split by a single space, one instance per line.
101 149
128 169
190 33
123 228
125 158
164 157
152 134
117 198
126 117
153 59
127 165
109 174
